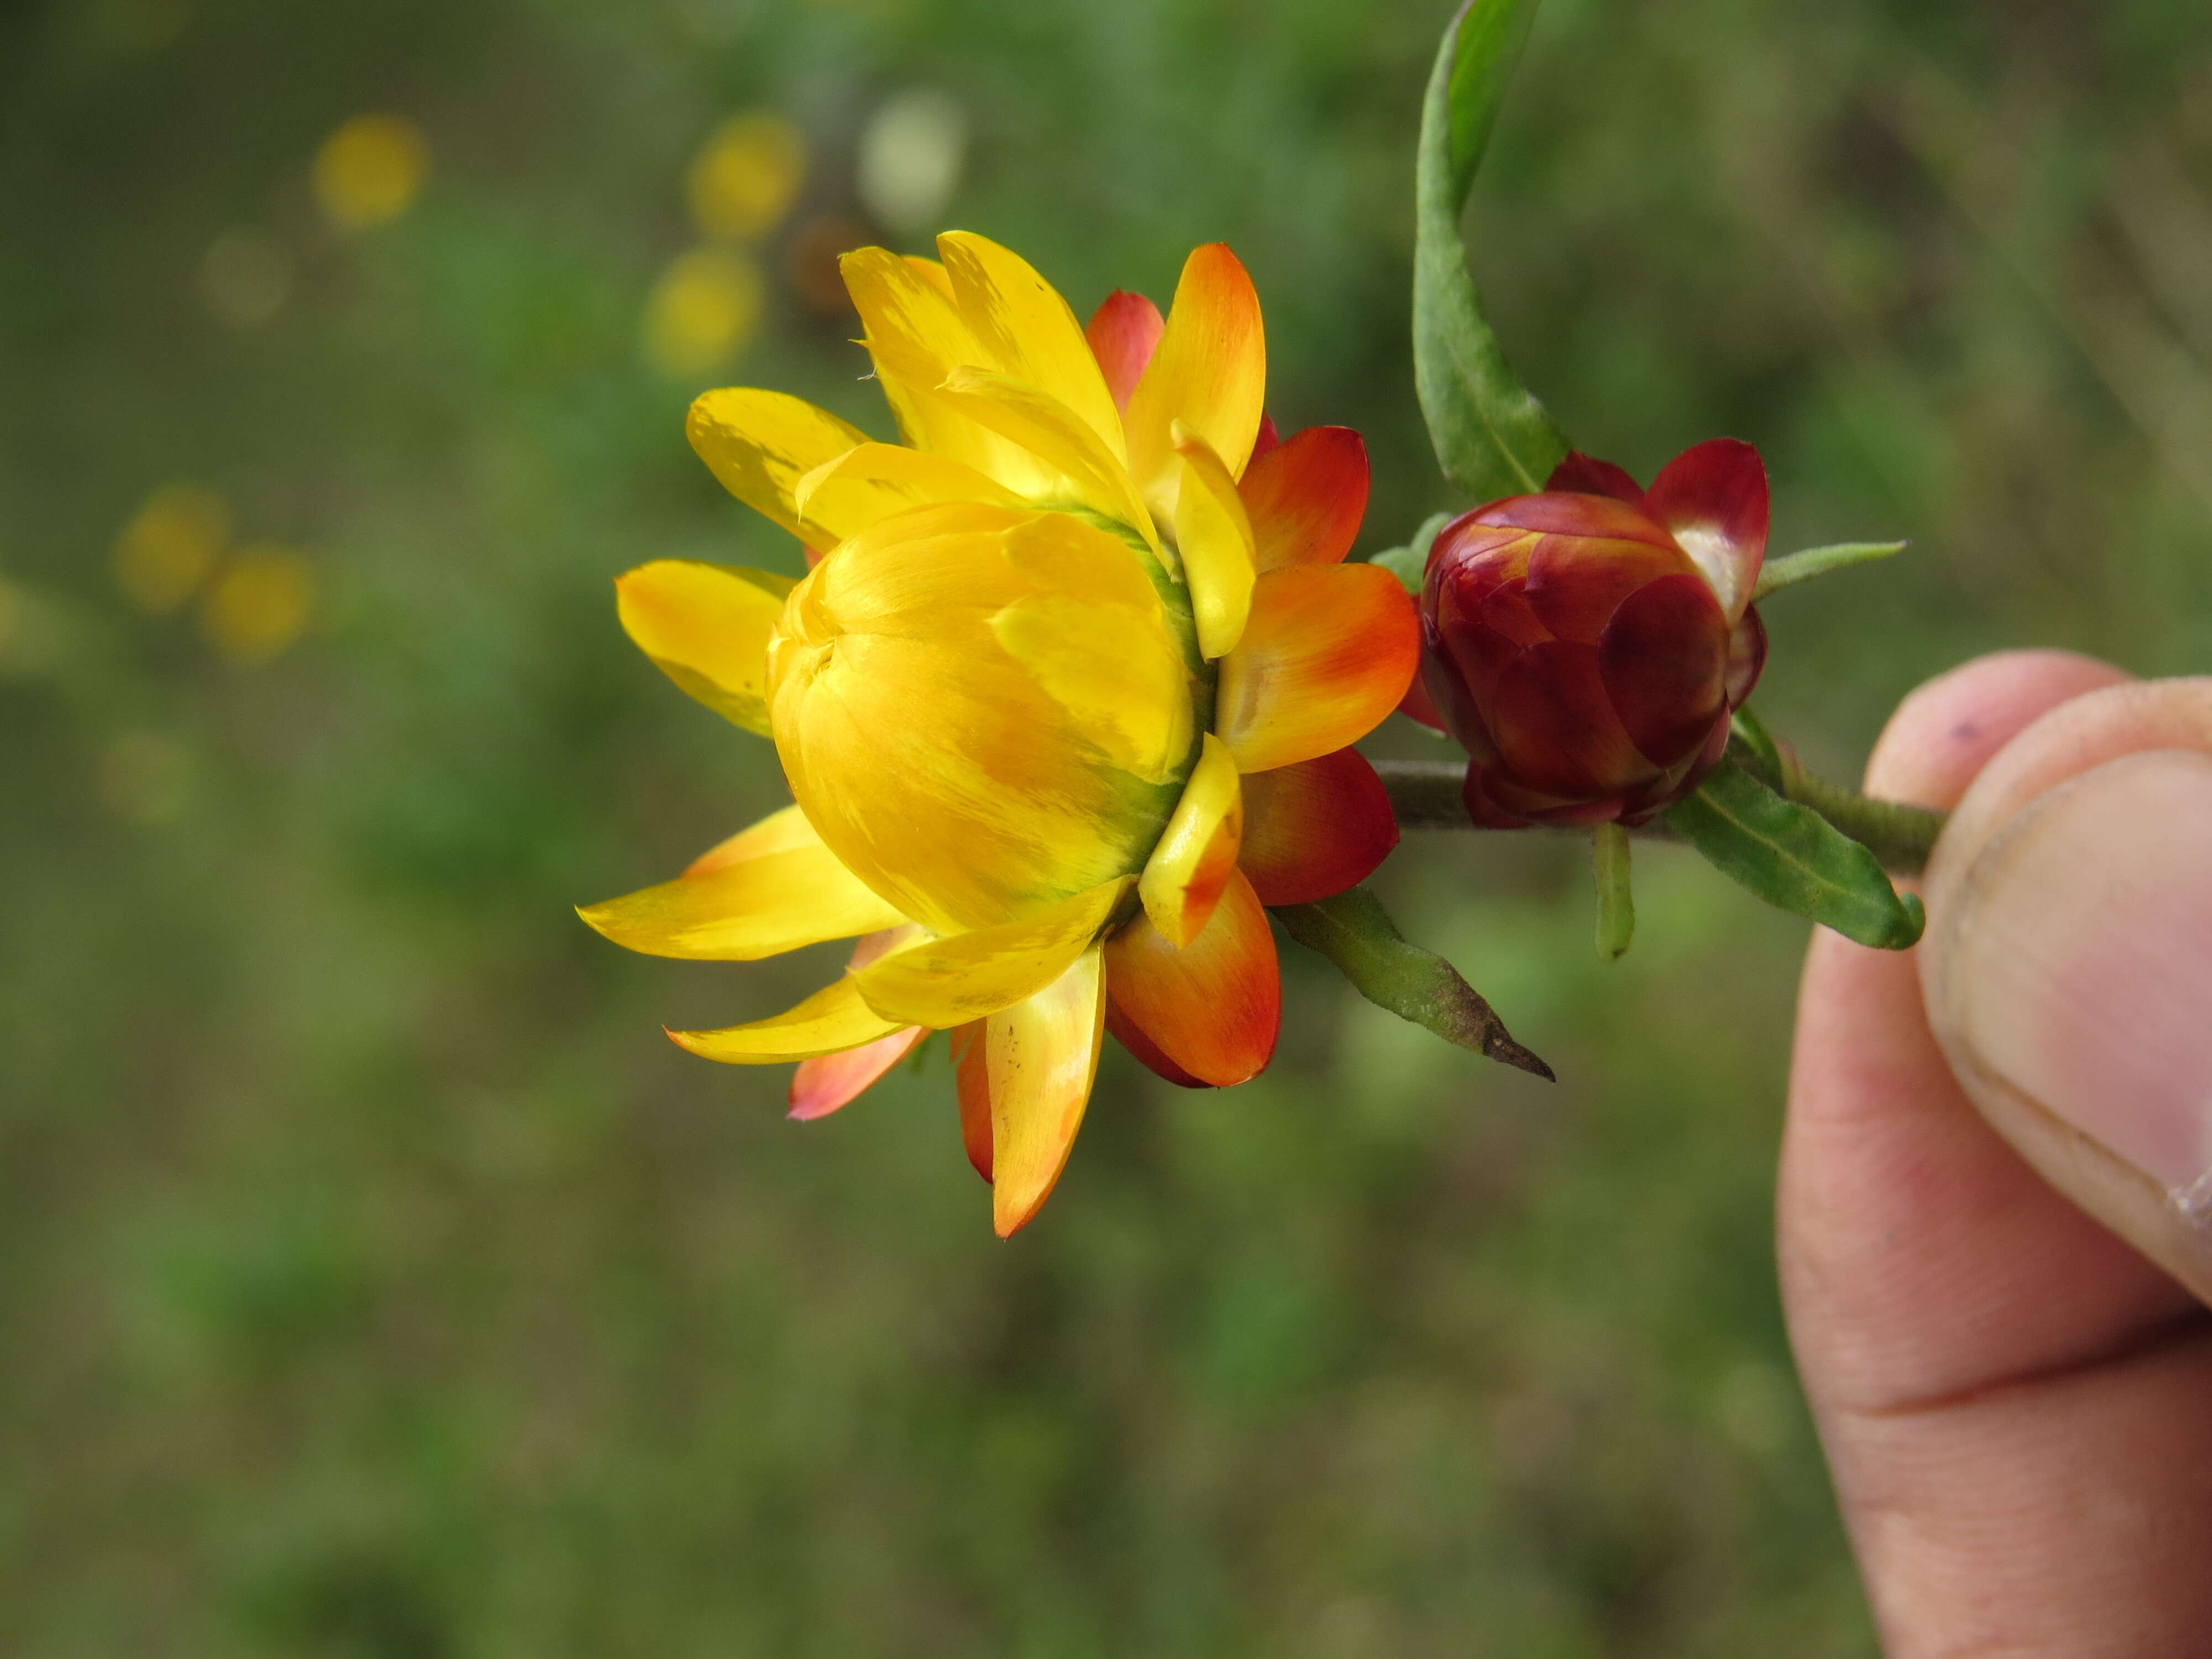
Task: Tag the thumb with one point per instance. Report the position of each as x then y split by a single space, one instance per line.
2068 968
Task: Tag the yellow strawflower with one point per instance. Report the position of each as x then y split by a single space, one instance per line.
1065 702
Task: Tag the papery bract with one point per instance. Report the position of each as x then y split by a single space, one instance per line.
1065 655
1587 645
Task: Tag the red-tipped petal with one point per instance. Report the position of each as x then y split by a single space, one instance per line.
1131 1037
1712 498
1663 659
1555 726
1214 1008
1747 657
1270 437
1315 828
1306 498
820 1087
971 1070
1585 474
1124 332
1598 517
1575 587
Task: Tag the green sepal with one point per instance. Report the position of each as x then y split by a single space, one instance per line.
1492 436
1410 563
1755 747
1795 859
1353 931
1794 568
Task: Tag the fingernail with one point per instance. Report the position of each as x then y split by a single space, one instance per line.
2079 962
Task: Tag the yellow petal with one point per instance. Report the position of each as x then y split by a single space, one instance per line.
1040 1058
1184 877
870 483
1214 537
931 272
829 1022
761 907
761 444
1028 332
984 711
917 337
779 832
1082 470
707 627
1209 373
948 982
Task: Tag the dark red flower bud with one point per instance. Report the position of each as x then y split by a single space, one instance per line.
1587 645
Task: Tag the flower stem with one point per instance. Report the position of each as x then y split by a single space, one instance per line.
1425 795
1616 900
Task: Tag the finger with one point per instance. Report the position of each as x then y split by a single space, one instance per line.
2069 974
2010 1397
1920 1258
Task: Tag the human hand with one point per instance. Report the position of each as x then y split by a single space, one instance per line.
2016 1404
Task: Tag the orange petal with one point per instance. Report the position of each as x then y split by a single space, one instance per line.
1040 1057
1209 373
1329 650
1182 880
1306 498
971 1065
1214 1008
1131 1037
820 1087
1315 828
1124 332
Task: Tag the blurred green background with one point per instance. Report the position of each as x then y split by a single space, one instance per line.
374 1279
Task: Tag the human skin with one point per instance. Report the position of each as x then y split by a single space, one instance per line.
2016 1404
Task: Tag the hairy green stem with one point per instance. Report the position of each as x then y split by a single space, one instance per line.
1425 795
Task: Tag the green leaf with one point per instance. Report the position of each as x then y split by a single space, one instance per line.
1492 436
1794 568
1353 931
1795 859
1410 563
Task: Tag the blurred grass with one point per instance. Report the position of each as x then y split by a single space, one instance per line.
376 1281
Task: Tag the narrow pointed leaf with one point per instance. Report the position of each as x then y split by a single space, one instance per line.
1353 931
1794 568
1795 859
1490 435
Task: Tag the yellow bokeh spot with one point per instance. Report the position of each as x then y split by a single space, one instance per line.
261 605
370 170
746 177
167 551
702 312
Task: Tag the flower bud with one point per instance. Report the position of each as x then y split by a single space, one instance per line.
1588 644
